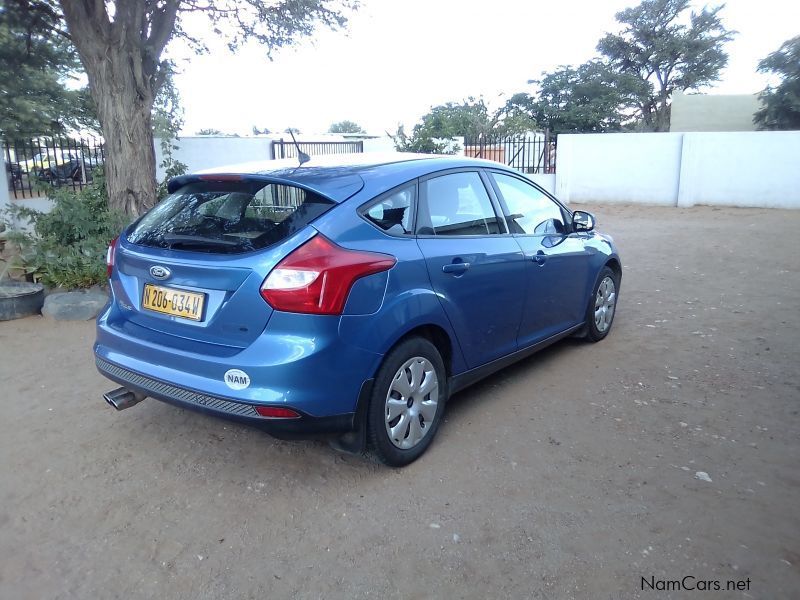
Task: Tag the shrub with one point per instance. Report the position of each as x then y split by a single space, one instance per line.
67 246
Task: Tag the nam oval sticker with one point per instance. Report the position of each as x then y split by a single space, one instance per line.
237 379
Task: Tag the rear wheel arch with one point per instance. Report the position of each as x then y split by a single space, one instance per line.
437 336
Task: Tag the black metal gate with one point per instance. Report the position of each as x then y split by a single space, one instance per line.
52 160
526 154
286 148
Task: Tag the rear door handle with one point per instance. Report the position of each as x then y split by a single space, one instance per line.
540 258
457 268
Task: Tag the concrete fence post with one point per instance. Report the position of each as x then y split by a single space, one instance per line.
5 196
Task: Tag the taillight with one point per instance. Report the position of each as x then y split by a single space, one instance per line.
316 278
111 255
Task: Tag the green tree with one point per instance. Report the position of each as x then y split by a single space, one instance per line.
120 45
470 119
420 141
37 65
167 116
667 50
781 104
473 118
209 131
345 127
590 98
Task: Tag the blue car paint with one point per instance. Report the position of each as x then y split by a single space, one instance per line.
318 365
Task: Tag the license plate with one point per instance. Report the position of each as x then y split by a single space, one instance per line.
169 301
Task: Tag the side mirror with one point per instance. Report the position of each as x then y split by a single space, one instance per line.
582 221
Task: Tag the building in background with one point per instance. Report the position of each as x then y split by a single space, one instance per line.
713 112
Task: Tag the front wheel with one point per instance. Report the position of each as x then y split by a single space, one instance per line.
407 402
602 305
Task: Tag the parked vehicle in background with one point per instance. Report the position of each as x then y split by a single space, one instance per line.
13 173
347 298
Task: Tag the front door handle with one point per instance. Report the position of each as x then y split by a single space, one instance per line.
540 258
457 268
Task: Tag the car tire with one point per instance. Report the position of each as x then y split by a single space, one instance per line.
407 403
602 305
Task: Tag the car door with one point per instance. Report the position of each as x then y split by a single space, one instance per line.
557 261
475 266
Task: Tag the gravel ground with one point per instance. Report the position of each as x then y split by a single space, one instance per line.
573 474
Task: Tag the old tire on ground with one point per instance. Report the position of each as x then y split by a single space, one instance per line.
20 299
407 402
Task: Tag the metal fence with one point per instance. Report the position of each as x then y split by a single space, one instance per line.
33 163
287 149
529 154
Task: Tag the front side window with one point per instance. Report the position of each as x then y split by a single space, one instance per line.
458 204
529 210
227 217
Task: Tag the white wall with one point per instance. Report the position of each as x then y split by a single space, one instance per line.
741 169
206 152
637 168
546 181
759 169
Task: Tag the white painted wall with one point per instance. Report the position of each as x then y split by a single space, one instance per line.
741 169
639 168
758 169
546 181
381 144
208 151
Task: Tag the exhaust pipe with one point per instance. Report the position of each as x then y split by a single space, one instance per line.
122 398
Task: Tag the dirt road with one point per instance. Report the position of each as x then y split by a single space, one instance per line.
570 475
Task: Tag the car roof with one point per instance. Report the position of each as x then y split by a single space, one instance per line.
340 176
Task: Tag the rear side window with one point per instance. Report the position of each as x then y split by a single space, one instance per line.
457 204
393 213
228 217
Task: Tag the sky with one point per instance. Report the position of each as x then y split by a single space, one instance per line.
398 58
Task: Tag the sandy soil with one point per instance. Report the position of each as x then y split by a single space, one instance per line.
570 475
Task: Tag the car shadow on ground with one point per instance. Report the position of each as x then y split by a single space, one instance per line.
201 442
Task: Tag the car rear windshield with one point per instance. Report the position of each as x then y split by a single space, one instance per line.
227 217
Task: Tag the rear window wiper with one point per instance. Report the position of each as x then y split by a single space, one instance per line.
177 240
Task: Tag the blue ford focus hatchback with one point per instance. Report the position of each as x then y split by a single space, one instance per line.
349 297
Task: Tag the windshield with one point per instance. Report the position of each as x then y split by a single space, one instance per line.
227 217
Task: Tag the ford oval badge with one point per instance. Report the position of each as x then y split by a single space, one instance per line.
160 272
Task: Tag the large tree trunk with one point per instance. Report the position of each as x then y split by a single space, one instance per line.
125 115
121 59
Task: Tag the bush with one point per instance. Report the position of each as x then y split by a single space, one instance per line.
67 246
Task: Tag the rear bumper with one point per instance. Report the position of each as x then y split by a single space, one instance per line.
307 426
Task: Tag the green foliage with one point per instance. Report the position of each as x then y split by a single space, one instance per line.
167 123
67 246
666 50
471 118
421 142
36 65
209 131
781 104
345 127
589 98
